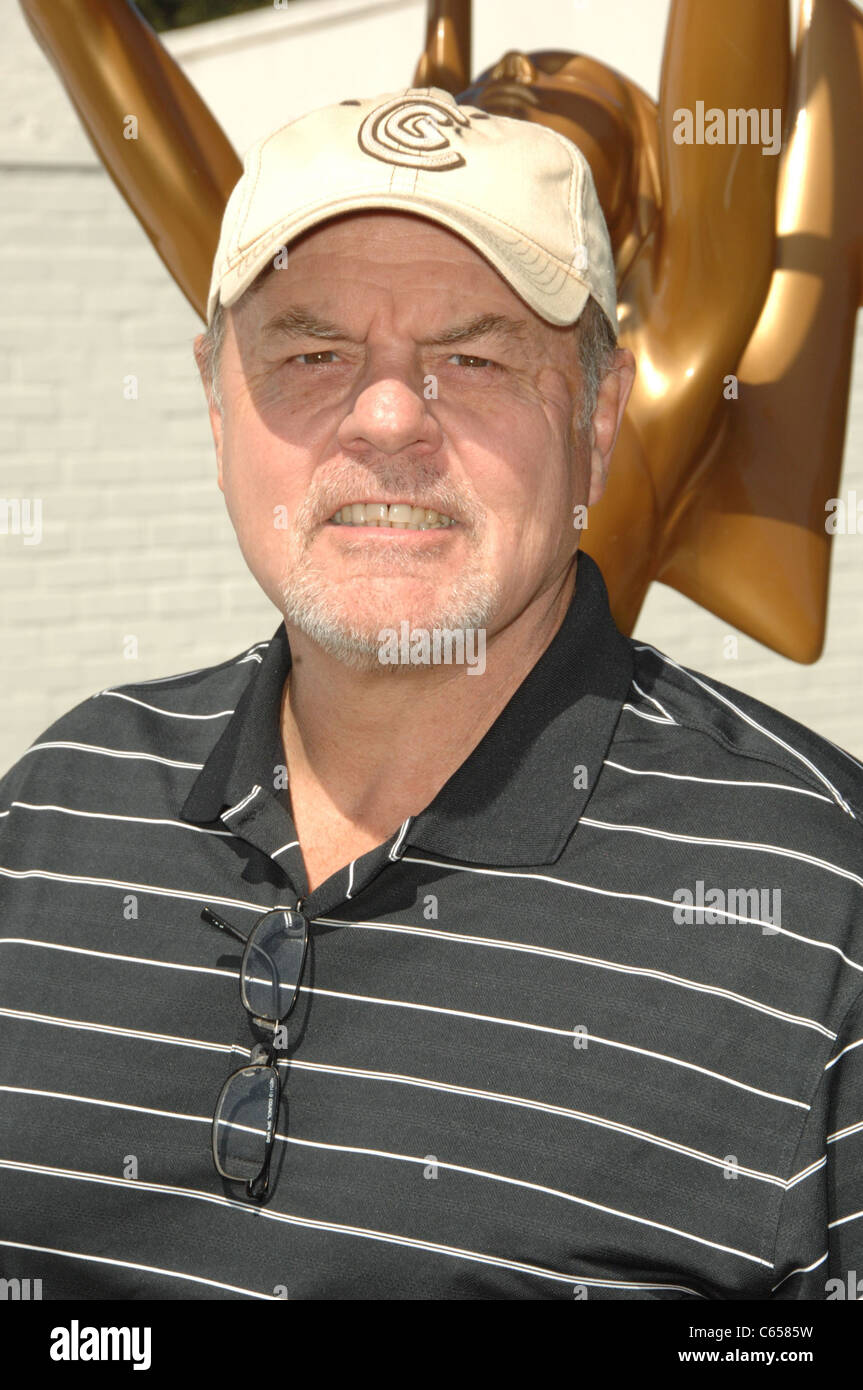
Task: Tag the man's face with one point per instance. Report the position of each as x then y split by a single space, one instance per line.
388 363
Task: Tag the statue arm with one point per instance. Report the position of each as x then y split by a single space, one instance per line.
699 288
446 60
763 492
177 173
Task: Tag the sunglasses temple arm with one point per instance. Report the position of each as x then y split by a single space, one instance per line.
214 921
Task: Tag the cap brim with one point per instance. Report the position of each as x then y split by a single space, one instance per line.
549 287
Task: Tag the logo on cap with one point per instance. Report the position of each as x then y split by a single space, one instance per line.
408 131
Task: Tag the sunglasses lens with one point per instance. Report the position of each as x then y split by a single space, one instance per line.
272 965
245 1119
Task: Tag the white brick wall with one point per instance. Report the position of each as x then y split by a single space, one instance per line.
136 540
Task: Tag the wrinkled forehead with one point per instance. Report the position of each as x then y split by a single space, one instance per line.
377 232
406 239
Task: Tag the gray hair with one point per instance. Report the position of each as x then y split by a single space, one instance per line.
596 341
209 356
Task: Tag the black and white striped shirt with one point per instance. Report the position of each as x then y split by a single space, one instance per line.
531 1057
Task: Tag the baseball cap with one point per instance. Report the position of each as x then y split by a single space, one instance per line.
520 193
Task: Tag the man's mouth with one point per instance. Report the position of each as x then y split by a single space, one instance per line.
398 516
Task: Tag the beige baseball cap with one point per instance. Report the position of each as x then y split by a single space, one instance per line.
520 193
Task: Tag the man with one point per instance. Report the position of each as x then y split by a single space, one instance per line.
549 951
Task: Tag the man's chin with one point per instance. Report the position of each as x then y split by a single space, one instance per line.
364 644
355 628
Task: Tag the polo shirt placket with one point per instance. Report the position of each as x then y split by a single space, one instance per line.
240 785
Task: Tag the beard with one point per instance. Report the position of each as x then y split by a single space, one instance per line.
351 630
345 619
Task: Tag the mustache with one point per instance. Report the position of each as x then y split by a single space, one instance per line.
419 482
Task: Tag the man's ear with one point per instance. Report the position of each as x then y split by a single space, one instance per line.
213 408
605 424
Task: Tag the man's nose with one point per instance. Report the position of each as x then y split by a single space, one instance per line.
389 415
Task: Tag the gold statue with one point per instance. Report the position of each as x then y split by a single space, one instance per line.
738 266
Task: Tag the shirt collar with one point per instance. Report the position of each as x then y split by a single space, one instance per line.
250 749
518 796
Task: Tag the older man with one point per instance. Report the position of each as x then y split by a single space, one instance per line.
550 963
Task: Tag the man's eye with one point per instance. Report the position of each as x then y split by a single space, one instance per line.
468 361
312 359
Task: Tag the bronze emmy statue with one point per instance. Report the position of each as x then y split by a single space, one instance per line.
738 267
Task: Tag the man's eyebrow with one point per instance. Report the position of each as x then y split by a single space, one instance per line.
481 326
301 323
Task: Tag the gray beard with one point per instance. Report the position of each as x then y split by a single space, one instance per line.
308 603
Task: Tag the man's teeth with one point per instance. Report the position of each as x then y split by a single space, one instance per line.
399 516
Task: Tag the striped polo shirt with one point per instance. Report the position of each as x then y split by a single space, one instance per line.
589 1025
